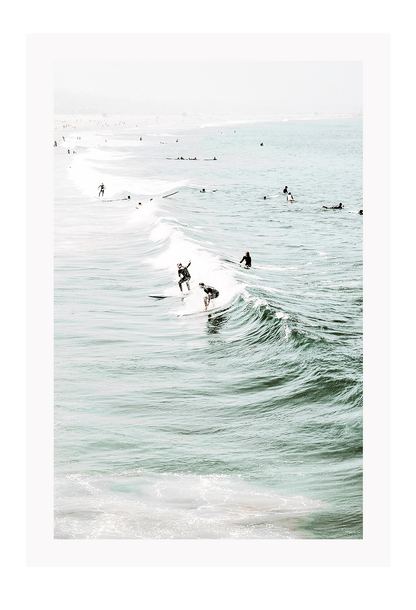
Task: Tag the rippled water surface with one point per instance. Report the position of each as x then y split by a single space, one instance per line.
244 421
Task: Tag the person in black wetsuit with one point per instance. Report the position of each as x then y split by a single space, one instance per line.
184 275
360 212
211 293
340 206
101 189
285 190
247 258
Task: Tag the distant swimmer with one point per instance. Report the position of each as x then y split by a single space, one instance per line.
211 293
290 197
247 258
138 205
360 212
285 190
261 144
69 152
184 275
340 206
202 191
101 189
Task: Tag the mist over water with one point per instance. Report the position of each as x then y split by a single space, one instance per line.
244 421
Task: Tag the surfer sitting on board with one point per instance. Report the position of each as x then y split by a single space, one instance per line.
184 275
211 293
101 189
285 190
334 207
247 258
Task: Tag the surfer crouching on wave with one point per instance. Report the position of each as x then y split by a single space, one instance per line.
184 275
211 293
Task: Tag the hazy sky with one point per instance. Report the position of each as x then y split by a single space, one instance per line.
179 86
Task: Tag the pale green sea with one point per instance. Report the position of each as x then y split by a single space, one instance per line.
241 422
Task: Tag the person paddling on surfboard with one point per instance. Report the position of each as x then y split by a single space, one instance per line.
340 206
247 258
184 275
210 292
101 189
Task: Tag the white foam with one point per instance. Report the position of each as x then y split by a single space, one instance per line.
173 505
87 176
205 267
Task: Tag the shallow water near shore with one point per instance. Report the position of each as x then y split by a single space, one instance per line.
244 421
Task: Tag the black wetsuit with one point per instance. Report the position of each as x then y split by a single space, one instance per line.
334 207
247 259
184 275
211 291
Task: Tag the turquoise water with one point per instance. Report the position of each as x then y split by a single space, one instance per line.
244 421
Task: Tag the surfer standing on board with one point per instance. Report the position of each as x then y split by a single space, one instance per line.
184 275
101 189
211 293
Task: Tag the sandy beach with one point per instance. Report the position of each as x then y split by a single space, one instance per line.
70 123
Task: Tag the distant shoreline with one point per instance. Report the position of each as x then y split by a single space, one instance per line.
92 121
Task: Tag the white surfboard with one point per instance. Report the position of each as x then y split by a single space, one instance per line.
202 312
168 296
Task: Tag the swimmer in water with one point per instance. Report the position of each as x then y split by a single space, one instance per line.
340 206
210 292
184 275
247 258
203 191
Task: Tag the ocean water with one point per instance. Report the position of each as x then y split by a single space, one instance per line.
244 421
